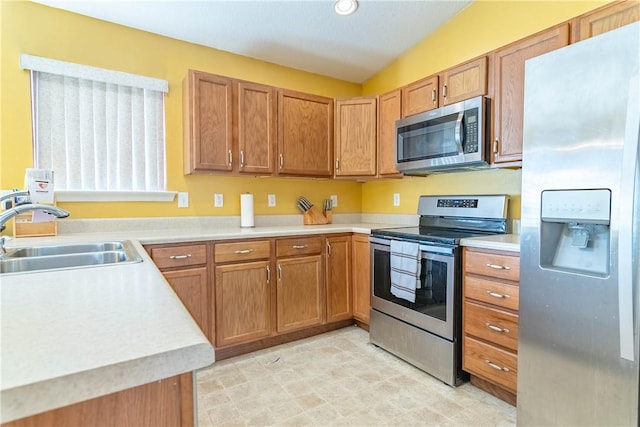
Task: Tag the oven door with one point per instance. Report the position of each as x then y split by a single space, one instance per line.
433 310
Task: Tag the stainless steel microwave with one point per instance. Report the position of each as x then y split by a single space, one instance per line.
444 139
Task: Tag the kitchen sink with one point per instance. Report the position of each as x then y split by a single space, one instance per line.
55 257
36 251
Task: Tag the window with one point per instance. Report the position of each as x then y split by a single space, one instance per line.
100 131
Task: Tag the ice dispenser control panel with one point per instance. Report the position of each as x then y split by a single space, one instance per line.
589 206
574 231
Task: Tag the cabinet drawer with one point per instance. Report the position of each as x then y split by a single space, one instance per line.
491 363
492 292
298 246
179 256
494 265
242 251
491 324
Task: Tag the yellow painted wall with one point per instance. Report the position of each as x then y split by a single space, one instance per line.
32 28
479 28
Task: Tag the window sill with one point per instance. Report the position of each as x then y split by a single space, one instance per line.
114 196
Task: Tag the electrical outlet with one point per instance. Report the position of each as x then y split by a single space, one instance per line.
218 200
334 200
271 200
396 199
183 200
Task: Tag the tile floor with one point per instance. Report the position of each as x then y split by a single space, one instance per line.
337 379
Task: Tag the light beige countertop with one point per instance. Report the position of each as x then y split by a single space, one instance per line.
75 334
501 242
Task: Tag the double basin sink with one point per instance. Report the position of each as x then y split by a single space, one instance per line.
54 257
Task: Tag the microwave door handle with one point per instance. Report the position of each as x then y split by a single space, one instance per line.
458 132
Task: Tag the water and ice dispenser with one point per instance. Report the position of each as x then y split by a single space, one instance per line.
575 231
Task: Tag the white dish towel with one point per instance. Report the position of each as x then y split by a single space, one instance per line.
405 269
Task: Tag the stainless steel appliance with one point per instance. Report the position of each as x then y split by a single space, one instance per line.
578 346
447 138
427 332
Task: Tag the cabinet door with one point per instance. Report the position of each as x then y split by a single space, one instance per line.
299 293
338 278
464 81
389 110
207 123
305 134
191 287
420 96
508 97
355 137
256 121
242 302
361 267
615 15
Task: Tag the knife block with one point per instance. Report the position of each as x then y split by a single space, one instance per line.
314 216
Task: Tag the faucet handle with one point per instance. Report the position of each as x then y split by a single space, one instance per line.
3 240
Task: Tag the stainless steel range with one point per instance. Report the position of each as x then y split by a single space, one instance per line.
416 307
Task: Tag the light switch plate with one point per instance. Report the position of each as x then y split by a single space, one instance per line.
271 200
396 199
218 200
334 201
183 200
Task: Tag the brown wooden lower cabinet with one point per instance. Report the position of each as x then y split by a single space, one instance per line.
164 403
361 268
490 320
242 302
338 274
300 293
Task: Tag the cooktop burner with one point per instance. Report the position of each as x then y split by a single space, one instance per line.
427 234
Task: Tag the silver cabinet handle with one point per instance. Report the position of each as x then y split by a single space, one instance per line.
497 295
230 158
268 275
180 256
299 246
498 267
337 164
328 248
281 161
279 272
444 91
241 158
495 145
243 251
433 95
496 367
497 328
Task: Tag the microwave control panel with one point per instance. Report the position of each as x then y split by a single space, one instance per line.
471 131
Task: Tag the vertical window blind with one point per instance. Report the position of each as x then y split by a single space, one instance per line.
97 129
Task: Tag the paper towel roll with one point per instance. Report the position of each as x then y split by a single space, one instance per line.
246 210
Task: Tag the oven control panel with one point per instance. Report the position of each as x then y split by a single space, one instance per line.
480 206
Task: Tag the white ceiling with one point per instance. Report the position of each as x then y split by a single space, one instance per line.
302 34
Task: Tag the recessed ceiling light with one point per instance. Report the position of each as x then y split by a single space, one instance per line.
345 7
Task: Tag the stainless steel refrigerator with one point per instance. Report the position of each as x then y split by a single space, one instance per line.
578 346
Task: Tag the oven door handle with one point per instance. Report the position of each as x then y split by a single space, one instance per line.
458 132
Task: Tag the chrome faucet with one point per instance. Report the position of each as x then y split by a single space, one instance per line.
17 210
16 193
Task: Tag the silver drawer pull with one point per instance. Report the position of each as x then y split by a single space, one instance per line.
497 295
180 256
496 367
497 328
244 251
299 246
498 267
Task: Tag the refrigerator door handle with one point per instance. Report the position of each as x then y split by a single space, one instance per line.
625 236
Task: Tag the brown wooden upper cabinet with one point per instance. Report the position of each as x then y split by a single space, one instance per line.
389 110
229 125
458 83
356 136
508 96
606 18
305 134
